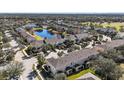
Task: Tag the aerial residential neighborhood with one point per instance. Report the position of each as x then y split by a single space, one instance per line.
61 47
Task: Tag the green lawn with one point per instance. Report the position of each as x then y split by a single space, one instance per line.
38 37
73 77
117 25
38 28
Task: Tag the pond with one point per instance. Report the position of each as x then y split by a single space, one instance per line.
45 34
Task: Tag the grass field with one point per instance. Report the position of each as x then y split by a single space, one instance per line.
117 25
38 28
73 77
37 37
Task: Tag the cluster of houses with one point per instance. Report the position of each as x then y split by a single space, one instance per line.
37 43
22 32
74 61
78 60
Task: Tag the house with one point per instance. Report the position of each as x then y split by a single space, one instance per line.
77 60
69 61
30 39
59 40
31 25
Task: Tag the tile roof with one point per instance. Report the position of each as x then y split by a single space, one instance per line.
54 40
72 58
113 44
81 55
72 37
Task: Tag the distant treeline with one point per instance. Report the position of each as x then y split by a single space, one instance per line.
106 17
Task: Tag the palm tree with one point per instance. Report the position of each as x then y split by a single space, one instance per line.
41 60
12 71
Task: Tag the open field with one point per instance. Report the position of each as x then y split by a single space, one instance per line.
116 25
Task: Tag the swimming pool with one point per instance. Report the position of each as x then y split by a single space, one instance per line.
45 34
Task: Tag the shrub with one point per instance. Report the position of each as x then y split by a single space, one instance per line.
76 47
70 50
60 53
60 76
83 45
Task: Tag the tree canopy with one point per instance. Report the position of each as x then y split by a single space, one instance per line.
12 71
106 68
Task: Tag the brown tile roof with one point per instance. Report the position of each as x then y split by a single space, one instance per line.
77 56
113 44
54 40
72 58
37 43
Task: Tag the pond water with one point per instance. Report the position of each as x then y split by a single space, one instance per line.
45 34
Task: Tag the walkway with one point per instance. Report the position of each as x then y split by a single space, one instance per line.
28 63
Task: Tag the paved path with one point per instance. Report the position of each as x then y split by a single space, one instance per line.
28 63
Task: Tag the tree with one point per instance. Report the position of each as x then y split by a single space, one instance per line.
68 43
12 71
29 50
121 49
1 33
52 28
112 54
2 57
60 53
0 36
41 60
6 45
107 69
6 56
10 55
5 39
70 49
2 76
60 76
